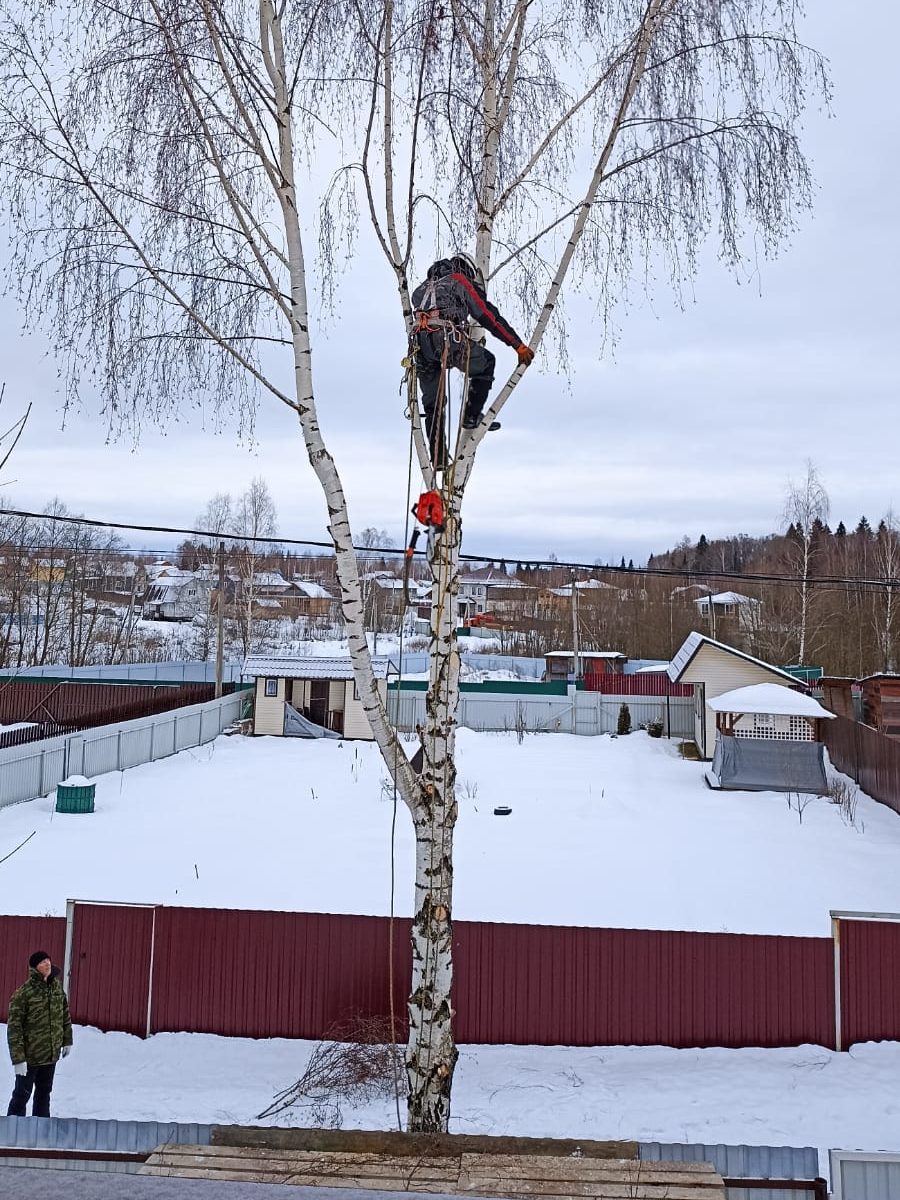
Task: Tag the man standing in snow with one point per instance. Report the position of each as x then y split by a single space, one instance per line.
39 1032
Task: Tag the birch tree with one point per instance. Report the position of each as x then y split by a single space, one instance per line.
155 179
884 616
806 503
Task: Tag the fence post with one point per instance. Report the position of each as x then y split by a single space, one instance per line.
836 938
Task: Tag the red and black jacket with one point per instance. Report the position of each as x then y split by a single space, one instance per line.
455 297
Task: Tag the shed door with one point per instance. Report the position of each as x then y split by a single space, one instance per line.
317 709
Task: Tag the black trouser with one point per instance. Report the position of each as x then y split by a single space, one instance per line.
39 1078
471 357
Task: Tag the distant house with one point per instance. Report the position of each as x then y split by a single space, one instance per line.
320 690
730 611
768 738
488 589
175 595
114 580
388 594
272 596
588 591
561 663
713 668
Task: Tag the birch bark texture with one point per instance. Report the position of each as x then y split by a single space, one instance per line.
155 169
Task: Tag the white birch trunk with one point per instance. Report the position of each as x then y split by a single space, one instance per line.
431 1050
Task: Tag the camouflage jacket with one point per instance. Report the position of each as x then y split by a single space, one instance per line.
38 1025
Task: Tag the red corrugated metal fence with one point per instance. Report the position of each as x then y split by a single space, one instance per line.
650 683
109 982
273 974
550 985
870 981
19 938
264 974
52 708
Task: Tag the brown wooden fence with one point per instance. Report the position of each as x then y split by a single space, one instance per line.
53 707
265 974
869 757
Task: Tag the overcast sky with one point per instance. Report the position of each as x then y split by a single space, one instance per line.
693 425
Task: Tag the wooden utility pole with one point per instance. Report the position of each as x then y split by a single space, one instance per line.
575 626
220 622
574 654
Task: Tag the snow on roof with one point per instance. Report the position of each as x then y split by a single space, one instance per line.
290 666
586 654
583 585
726 598
772 698
314 591
270 579
692 644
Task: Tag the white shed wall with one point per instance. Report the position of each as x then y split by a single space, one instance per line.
356 723
268 713
719 672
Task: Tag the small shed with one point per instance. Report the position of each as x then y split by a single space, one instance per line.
837 695
713 668
304 696
881 703
560 664
768 739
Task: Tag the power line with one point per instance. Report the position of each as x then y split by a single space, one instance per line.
836 581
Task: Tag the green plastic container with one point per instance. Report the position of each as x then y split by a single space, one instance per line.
75 797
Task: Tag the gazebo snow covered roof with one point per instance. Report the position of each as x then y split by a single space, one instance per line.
771 698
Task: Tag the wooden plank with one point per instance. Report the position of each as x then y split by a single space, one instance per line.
312 1162
511 1176
516 1166
622 1186
632 1191
415 1144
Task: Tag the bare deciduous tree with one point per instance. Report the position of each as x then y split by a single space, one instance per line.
806 504
153 159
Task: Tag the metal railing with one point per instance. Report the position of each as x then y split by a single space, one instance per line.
590 714
27 772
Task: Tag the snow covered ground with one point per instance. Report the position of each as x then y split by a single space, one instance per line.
604 831
800 1097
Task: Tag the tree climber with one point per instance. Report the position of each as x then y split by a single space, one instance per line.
452 310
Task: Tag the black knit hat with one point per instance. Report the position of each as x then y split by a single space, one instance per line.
37 957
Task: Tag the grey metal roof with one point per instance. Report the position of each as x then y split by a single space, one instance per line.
743 1162
692 644
78 1133
291 666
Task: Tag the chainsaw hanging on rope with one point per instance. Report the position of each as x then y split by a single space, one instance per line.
429 511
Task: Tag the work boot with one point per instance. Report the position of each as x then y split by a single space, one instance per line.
473 423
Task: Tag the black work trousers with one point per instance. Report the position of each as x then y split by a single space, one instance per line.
470 357
41 1080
